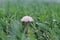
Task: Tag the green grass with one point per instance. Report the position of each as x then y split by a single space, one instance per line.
46 20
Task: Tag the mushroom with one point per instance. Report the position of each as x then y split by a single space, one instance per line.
26 20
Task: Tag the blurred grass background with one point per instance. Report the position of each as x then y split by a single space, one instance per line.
46 17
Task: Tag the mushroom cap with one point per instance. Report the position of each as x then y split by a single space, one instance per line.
27 19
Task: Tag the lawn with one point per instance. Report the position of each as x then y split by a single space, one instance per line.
46 25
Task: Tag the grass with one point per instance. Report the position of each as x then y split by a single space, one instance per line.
46 25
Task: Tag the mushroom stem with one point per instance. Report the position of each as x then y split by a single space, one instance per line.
27 31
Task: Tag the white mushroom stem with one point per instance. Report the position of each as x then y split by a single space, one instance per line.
27 31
